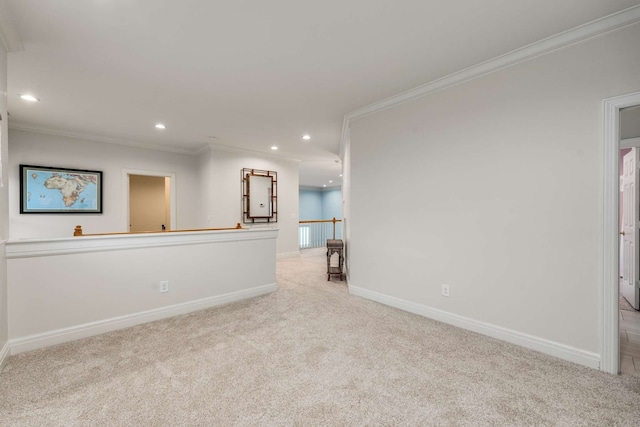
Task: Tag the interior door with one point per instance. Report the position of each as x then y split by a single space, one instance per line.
630 216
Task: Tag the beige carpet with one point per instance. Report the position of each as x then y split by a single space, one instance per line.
307 355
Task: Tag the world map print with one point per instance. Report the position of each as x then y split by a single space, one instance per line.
60 191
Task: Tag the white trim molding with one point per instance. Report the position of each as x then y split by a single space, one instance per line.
59 336
566 38
8 33
629 143
582 357
28 248
611 238
344 137
93 138
221 147
4 355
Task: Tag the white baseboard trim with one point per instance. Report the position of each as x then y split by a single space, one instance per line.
292 254
4 355
572 354
59 336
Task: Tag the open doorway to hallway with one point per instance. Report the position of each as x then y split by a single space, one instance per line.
150 200
317 209
149 203
629 223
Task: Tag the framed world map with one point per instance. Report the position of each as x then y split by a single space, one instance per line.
59 190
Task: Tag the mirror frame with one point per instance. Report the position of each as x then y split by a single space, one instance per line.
270 200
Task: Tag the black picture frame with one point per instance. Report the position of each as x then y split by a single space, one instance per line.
60 190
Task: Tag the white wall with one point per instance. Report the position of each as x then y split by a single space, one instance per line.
221 168
208 185
44 312
65 289
494 187
50 150
4 209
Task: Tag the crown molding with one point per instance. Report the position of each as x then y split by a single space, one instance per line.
93 138
198 152
319 189
344 136
206 148
8 33
575 35
221 147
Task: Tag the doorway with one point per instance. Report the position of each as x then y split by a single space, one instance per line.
629 300
150 200
149 203
610 357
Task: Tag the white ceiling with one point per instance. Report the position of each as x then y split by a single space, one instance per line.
252 73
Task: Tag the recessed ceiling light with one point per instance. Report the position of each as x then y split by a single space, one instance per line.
324 185
340 175
160 126
330 181
306 137
274 148
28 97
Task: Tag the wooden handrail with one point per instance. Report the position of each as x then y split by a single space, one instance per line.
312 221
77 232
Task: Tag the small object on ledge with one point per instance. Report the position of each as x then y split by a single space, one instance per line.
77 231
334 246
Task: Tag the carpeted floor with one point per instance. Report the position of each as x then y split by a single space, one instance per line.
309 354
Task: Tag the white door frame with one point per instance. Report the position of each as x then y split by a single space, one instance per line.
125 193
610 354
629 186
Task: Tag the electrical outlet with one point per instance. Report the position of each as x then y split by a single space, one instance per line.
164 286
445 290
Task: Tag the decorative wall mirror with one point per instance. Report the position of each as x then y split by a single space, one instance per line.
259 196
